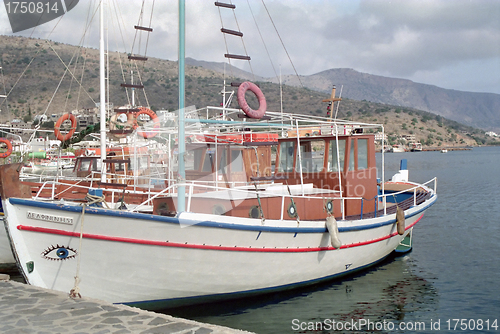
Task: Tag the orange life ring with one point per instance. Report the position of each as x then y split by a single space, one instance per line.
9 148
154 118
122 124
60 121
243 103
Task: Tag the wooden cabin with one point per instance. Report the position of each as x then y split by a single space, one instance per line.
230 160
121 164
320 165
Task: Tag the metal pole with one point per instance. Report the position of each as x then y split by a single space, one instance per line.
181 192
103 95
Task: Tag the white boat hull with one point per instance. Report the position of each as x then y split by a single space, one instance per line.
156 261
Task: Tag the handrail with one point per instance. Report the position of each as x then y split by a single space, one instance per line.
243 190
384 196
249 191
413 188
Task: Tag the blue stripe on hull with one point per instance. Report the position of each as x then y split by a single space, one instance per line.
175 220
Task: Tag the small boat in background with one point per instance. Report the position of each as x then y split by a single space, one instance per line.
444 150
51 162
398 148
416 147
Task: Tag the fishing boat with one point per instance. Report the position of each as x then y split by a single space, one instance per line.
245 209
397 148
416 147
314 217
51 163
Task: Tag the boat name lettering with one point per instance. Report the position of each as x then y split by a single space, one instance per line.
49 218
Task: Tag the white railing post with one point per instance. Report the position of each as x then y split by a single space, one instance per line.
190 195
385 204
53 190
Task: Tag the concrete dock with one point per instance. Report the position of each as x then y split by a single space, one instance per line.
25 309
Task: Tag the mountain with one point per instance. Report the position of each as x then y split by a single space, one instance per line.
481 110
231 71
36 79
475 109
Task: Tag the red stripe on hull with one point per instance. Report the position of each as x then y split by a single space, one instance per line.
223 248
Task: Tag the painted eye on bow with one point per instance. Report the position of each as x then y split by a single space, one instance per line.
59 253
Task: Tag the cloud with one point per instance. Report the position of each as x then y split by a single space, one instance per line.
451 44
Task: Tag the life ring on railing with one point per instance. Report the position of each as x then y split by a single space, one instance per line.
60 121
154 118
121 124
9 148
247 85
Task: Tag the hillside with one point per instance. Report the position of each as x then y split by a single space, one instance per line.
480 110
33 70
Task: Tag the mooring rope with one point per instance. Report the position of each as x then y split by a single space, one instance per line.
91 199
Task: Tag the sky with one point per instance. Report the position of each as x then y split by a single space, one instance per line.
453 44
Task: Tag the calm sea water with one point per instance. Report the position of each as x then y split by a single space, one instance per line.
453 271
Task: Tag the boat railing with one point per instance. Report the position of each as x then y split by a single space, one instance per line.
244 192
94 181
229 119
383 197
235 193
240 193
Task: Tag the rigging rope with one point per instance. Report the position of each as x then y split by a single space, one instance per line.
242 41
281 40
262 38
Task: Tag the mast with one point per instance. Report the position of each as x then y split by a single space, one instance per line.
133 89
102 107
181 190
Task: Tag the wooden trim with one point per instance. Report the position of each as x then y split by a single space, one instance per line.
232 56
132 86
225 5
143 28
231 32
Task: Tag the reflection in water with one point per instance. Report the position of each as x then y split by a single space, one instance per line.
390 292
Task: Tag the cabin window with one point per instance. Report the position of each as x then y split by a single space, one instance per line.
312 159
236 161
333 163
91 164
209 160
351 157
198 156
362 154
119 167
223 161
84 165
286 156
